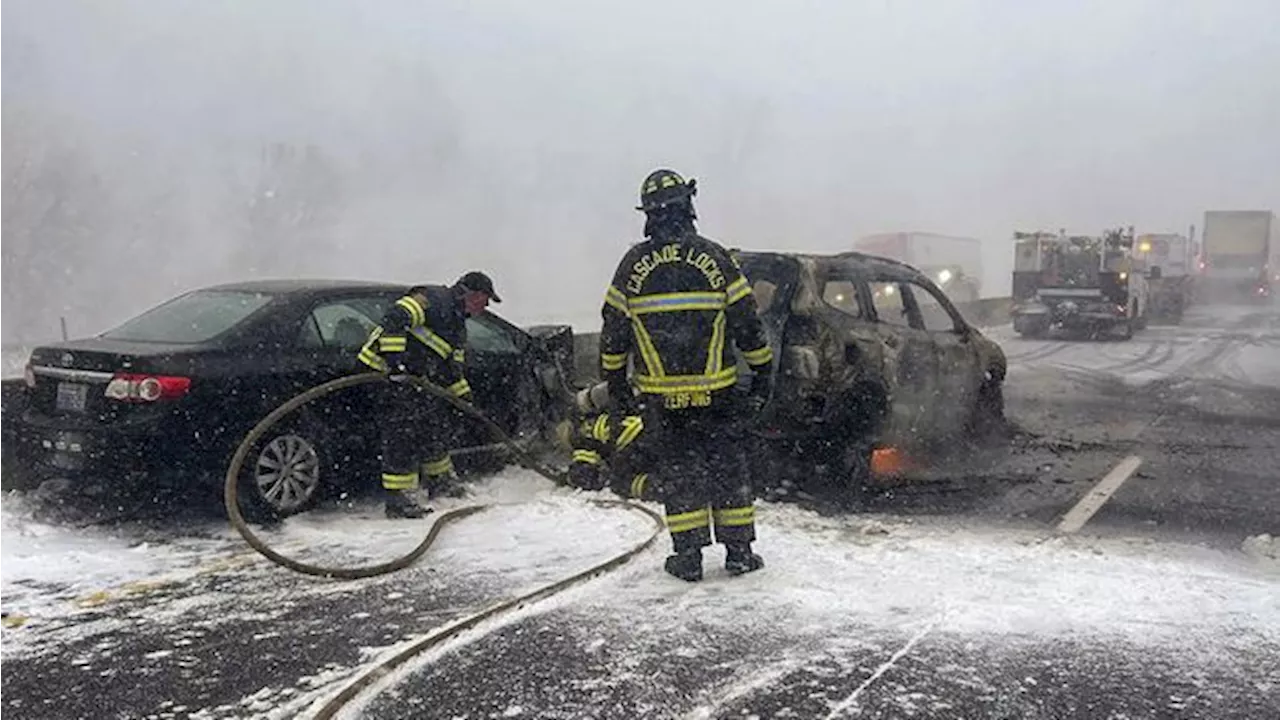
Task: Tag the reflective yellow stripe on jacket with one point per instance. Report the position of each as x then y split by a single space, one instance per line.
715 376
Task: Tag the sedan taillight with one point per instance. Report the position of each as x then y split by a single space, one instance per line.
130 387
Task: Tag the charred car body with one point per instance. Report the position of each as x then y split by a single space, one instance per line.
1077 283
868 352
171 393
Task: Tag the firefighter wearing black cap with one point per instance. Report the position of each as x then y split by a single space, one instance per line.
423 334
608 448
676 303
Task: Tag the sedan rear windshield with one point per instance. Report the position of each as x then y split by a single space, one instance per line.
192 318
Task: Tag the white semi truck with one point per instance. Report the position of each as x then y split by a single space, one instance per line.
1241 255
954 263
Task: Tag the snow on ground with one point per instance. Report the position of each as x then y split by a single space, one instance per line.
45 568
835 592
885 571
832 585
53 571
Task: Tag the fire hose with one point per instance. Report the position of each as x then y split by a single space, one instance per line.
231 496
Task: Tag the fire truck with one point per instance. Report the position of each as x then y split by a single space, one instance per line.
1082 285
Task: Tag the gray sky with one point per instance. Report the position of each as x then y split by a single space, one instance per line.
512 135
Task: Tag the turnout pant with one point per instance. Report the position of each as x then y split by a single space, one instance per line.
416 429
700 463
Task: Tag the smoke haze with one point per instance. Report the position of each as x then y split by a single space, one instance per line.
155 146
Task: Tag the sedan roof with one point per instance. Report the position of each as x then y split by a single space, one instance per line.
305 285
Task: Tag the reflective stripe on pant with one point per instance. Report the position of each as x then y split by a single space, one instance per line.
442 465
735 525
414 426
400 481
690 529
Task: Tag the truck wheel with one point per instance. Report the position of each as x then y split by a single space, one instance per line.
1126 330
1030 327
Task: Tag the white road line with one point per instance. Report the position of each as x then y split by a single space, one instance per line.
1077 516
884 668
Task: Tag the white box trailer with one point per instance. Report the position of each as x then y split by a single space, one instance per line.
953 262
1241 252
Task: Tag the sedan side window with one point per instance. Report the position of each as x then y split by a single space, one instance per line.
488 337
342 324
935 315
843 296
890 307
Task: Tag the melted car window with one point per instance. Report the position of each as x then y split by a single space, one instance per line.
195 317
764 290
843 296
932 312
887 297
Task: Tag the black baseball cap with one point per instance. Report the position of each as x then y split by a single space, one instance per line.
479 282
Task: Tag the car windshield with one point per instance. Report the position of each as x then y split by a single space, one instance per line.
192 318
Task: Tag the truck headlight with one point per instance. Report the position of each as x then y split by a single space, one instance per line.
944 277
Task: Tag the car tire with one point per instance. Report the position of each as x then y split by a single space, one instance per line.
1031 328
284 474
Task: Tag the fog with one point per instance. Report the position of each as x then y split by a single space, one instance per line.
152 147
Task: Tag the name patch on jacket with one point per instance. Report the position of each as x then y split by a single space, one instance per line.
675 252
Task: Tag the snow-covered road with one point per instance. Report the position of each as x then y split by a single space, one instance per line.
840 597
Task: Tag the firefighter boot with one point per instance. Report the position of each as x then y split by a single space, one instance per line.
400 504
739 559
447 485
686 565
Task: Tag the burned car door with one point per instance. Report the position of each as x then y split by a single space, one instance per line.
773 281
911 360
958 376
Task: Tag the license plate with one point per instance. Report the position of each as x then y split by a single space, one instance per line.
72 396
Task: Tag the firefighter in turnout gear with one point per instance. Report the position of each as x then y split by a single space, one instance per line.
423 334
608 450
676 302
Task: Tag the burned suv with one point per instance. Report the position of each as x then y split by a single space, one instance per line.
868 353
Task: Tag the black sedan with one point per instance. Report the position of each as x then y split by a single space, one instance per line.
174 390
